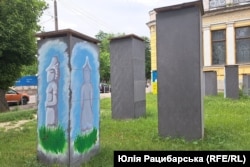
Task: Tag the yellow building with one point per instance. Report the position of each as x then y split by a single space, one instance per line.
152 27
226 37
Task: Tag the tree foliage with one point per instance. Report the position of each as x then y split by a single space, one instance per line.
18 25
30 69
105 55
147 58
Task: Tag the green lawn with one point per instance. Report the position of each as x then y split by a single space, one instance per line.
227 127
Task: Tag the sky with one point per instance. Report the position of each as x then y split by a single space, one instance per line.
111 16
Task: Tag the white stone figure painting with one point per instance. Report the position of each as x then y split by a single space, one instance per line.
86 99
51 100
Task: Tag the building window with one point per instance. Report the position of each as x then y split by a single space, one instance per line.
218 47
242 44
216 3
240 1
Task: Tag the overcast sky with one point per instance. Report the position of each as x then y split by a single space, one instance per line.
111 16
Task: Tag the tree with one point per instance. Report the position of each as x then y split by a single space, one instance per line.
104 54
147 58
30 69
18 25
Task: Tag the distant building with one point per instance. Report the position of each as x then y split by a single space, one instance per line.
226 37
152 27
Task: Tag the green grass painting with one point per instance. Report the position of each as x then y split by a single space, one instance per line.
84 142
53 139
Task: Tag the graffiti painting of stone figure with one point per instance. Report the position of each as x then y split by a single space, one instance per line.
53 100
86 99
52 92
68 98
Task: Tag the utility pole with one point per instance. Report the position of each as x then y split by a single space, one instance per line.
55 15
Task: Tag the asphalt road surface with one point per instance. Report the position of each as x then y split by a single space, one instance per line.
33 101
32 104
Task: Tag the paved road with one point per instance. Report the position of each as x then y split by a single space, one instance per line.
33 101
33 98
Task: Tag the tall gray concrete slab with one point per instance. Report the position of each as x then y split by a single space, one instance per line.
128 77
246 84
179 67
231 82
210 83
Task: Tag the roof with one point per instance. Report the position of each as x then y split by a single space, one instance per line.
151 23
127 36
66 32
198 4
227 9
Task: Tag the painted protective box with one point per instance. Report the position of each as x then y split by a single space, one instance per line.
68 97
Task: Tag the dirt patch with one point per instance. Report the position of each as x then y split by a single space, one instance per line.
12 125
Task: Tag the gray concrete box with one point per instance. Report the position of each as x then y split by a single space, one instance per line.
128 77
210 83
246 84
231 80
179 66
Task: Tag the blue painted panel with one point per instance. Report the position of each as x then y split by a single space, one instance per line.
50 49
84 54
53 99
